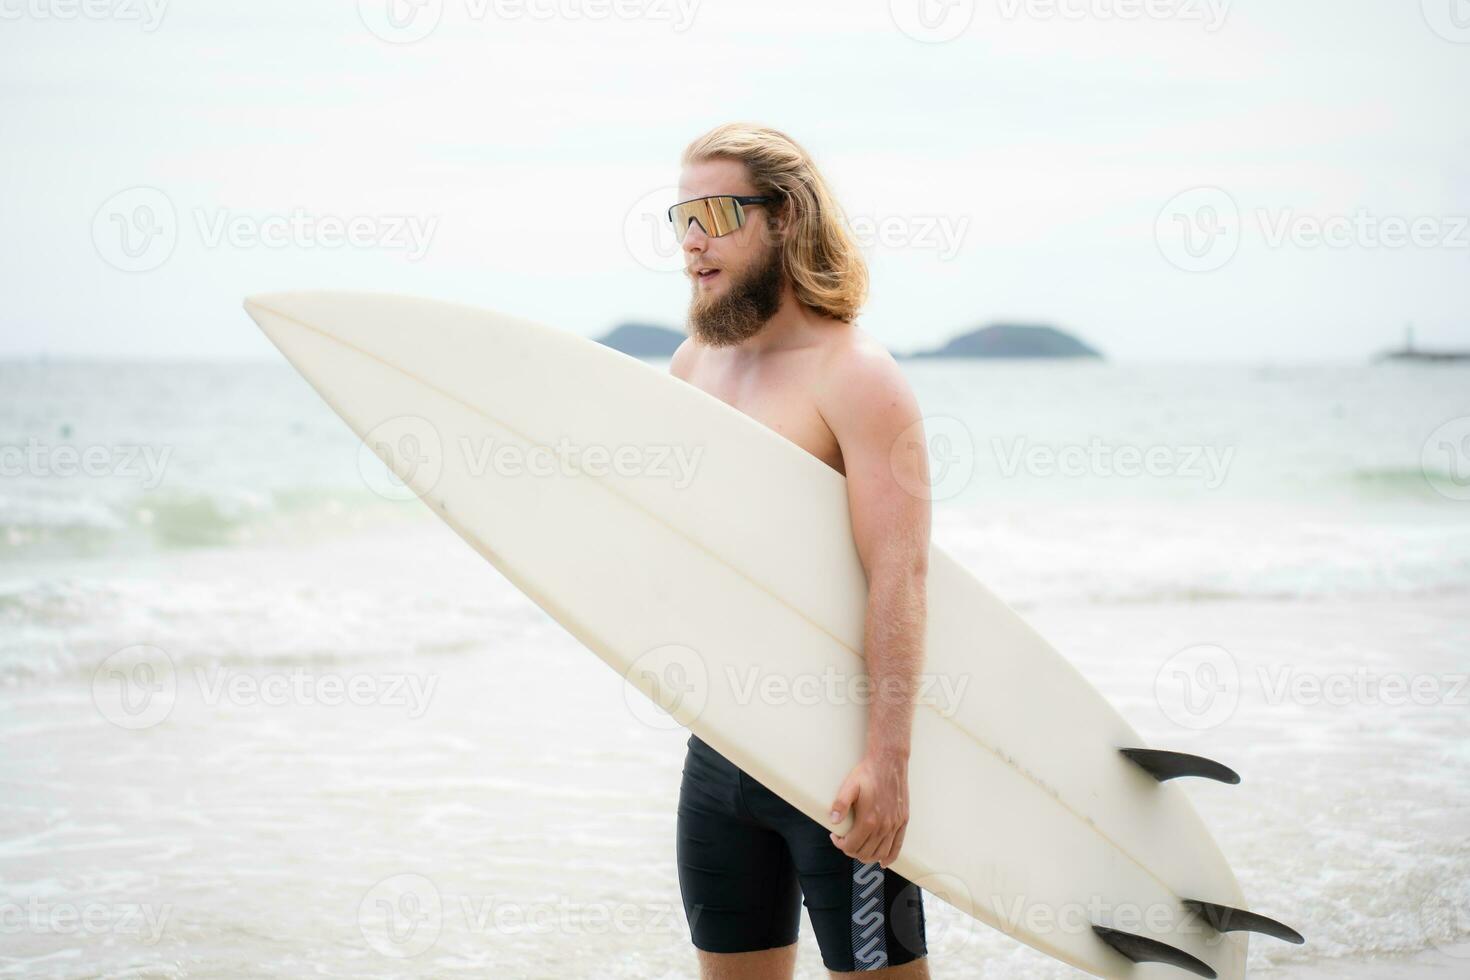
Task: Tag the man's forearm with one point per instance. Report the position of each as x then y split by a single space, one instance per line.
894 650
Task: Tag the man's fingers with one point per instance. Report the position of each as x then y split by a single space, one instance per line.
846 796
883 850
898 843
856 841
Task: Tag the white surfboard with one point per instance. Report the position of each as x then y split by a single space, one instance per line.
732 595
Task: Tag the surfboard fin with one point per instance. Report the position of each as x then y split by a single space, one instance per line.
1226 919
1164 766
1141 949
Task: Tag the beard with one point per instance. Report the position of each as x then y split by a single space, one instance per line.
745 307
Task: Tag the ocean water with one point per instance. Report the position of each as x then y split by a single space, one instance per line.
372 757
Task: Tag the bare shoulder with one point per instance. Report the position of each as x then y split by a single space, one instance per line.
861 377
683 359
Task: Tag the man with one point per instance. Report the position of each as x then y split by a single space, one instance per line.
777 282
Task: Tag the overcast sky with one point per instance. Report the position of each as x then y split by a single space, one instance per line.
1169 180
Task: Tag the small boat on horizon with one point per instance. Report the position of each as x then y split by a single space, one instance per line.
1411 353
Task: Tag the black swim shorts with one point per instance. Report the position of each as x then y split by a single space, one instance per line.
748 861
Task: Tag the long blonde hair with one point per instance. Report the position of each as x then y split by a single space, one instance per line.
819 255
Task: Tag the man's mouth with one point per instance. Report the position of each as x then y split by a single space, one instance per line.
706 274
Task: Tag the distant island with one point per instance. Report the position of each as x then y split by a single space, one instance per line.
1012 340
997 340
1411 353
643 339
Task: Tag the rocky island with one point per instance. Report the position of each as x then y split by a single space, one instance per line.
1011 340
995 341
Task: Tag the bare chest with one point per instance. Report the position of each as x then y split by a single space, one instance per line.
779 396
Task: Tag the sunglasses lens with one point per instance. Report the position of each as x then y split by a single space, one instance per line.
716 216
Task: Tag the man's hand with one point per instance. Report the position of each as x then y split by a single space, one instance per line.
878 789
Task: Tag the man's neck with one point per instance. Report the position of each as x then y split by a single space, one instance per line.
792 326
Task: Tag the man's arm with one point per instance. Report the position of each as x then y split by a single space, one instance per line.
872 411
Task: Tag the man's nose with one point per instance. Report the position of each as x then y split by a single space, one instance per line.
695 240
